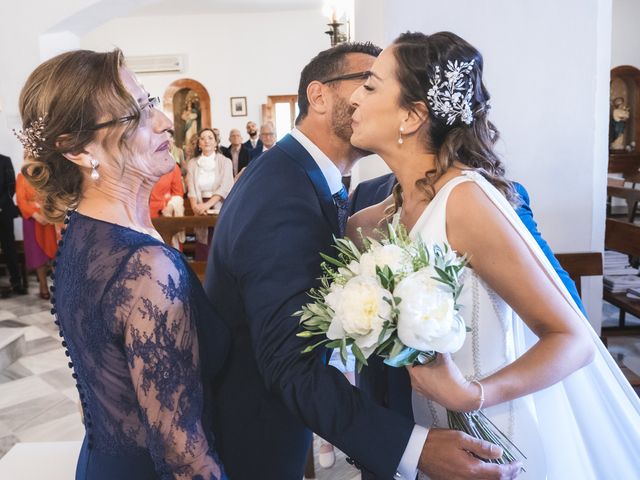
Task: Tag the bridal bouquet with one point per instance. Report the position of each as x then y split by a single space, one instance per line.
396 298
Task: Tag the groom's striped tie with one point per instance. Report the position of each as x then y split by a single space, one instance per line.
341 199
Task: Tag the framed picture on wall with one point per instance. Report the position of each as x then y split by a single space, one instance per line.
238 106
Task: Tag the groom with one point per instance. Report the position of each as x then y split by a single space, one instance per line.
279 216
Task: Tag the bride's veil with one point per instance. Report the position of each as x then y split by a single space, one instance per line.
590 421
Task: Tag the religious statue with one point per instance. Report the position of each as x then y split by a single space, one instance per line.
620 114
191 117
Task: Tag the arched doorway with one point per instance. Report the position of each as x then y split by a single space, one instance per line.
189 103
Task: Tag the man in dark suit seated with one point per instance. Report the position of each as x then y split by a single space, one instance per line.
392 386
236 151
254 141
9 211
267 140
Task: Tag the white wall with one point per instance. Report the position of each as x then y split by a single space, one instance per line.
547 69
249 55
625 38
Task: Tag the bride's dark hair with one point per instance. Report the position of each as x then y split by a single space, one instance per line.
417 56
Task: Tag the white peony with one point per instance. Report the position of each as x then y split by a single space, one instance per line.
396 258
360 311
427 319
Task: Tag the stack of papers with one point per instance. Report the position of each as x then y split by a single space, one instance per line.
634 293
616 263
621 283
619 276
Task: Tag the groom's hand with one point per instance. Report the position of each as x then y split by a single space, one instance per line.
447 454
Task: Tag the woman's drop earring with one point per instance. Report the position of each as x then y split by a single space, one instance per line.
400 139
94 169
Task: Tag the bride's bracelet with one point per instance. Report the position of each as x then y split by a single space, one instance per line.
481 395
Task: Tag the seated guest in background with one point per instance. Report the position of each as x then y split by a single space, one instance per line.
236 151
167 192
268 139
131 310
209 181
40 237
167 200
9 211
254 141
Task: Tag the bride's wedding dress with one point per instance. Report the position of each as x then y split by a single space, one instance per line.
585 427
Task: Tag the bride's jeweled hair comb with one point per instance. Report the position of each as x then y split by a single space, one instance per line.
450 97
31 137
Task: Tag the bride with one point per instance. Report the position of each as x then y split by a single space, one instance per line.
531 360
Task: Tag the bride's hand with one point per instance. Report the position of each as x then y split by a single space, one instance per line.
442 382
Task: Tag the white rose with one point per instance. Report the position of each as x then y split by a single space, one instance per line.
360 311
397 259
427 319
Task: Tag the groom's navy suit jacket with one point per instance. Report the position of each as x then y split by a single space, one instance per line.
391 386
264 259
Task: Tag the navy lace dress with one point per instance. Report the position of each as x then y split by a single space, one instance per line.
144 345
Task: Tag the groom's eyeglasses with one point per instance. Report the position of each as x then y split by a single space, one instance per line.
349 76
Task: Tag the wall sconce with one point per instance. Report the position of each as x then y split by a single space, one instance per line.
336 10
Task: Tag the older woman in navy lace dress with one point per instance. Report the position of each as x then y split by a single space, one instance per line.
129 308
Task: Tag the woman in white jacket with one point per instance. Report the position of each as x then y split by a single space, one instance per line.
209 180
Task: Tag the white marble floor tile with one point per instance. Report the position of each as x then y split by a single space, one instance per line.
19 391
35 412
65 428
44 362
39 317
34 333
59 379
71 394
14 372
6 314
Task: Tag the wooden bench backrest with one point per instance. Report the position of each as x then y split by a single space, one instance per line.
580 265
622 237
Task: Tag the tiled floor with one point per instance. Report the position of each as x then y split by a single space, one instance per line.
38 400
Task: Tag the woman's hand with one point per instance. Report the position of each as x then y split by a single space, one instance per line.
38 217
442 382
200 208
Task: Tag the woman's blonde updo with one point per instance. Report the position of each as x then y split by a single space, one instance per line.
72 93
417 56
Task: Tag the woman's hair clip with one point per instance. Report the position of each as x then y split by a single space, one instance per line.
31 137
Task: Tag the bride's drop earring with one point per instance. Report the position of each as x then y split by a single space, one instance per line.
94 169
400 139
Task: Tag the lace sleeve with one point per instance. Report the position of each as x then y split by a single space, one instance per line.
161 347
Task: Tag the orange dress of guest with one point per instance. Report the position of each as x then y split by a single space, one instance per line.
40 241
168 186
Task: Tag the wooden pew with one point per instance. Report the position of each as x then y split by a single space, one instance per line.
167 227
631 195
580 265
622 237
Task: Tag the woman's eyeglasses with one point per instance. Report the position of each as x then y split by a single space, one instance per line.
152 102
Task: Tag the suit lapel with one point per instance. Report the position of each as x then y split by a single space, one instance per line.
300 155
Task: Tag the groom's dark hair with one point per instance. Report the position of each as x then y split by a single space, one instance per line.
327 64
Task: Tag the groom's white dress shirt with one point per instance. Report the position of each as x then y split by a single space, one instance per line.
408 467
